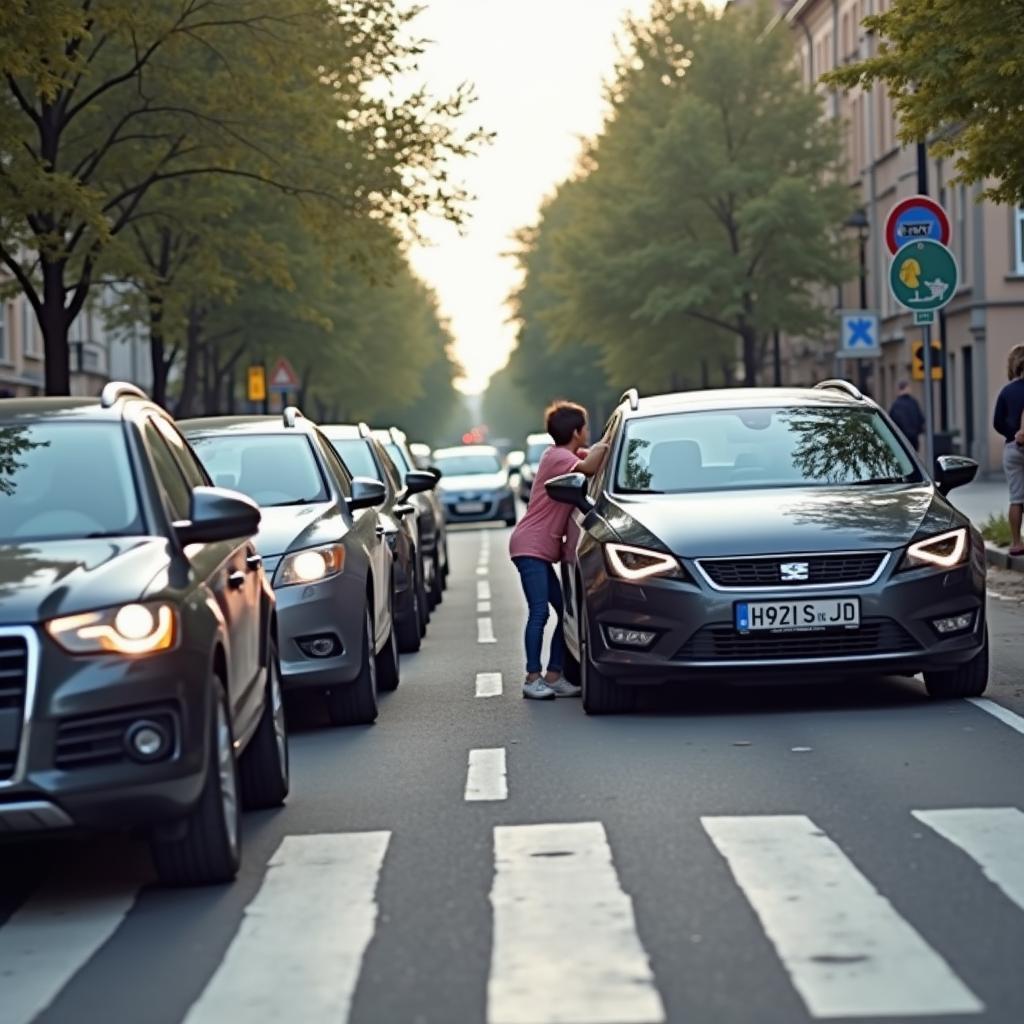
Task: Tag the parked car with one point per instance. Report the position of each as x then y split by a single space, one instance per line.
421 454
364 456
536 446
139 682
770 532
474 486
331 567
433 525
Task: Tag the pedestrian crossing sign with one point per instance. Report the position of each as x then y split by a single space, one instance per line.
859 336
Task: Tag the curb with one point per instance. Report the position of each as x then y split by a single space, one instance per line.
1001 558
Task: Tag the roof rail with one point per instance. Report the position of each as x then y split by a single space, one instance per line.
291 414
117 389
364 429
840 385
633 397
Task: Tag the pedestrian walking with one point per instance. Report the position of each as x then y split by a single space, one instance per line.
1008 421
906 414
538 544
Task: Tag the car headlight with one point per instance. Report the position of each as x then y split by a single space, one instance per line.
128 629
630 563
944 551
310 565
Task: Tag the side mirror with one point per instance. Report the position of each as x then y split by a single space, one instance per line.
954 471
570 489
218 514
366 493
418 480
437 474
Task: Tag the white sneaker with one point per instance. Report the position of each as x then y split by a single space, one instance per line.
561 687
538 690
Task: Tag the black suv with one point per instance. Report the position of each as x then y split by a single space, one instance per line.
138 665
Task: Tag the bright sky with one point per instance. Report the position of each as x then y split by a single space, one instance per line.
538 67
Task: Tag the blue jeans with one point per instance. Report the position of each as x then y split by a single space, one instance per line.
541 587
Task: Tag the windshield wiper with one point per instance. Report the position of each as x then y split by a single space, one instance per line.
297 501
879 480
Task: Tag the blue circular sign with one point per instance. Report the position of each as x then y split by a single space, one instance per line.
918 219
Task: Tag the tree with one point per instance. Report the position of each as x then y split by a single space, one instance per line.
108 102
709 209
955 69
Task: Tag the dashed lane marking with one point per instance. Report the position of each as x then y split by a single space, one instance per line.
483 590
486 775
485 630
488 684
1005 715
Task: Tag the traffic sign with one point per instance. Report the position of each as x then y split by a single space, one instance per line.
917 360
283 377
256 379
859 334
914 220
924 276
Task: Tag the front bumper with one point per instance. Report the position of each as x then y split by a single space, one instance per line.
493 508
696 638
73 768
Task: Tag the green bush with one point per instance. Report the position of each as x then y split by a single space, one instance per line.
997 530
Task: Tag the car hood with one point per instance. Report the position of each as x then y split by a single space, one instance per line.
288 527
476 482
43 579
781 520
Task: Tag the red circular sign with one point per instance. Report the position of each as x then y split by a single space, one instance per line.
916 219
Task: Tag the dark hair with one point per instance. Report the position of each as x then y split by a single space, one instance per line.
563 419
1015 362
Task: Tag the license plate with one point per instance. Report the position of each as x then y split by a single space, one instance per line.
466 507
797 616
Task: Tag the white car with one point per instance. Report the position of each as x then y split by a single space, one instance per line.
474 485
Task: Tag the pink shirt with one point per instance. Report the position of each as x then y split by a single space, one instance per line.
541 532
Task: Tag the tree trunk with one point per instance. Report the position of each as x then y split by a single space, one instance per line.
750 355
193 355
159 363
53 322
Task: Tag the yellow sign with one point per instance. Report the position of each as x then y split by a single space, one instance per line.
917 360
257 384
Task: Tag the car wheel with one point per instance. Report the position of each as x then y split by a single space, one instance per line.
968 680
264 765
388 675
422 597
601 695
447 566
438 583
409 628
355 703
205 848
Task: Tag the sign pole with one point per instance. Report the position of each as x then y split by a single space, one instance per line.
929 403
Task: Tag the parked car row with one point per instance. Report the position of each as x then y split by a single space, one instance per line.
163 585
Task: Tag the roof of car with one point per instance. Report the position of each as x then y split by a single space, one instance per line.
466 449
44 408
343 431
730 398
532 439
242 425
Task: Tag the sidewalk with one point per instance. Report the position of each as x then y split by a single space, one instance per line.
983 498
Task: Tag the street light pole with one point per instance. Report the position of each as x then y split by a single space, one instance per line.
859 220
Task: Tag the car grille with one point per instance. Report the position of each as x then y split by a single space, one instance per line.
822 570
13 689
875 636
90 740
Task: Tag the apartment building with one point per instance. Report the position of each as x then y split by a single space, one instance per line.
986 318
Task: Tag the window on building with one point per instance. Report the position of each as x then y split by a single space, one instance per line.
30 335
4 334
1018 240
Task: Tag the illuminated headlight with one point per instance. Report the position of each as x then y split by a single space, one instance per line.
310 565
631 563
128 629
954 624
944 551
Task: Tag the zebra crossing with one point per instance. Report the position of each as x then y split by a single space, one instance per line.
299 948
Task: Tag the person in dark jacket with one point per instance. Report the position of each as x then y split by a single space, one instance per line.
1008 420
906 414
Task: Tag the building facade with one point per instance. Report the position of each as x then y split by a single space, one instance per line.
986 317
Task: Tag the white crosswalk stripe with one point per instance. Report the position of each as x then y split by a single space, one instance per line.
556 889
993 837
847 950
298 952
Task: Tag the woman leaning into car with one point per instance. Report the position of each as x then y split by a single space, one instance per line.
1009 421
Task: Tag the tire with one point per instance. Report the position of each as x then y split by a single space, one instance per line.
571 669
969 680
601 694
438 583
409 628
510 522
422 598
264 765
447 565
388 667
206 848
355 703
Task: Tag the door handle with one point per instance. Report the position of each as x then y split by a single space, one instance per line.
253 561
236 579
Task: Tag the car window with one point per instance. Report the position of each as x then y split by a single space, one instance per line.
397 456
70 479
760 447
272 469
468 465
173 485
338 468
357 455
536 449
391 471
187 462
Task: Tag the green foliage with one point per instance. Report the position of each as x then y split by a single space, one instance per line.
708 210
955 69
997 530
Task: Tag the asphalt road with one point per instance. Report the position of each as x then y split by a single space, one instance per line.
762 854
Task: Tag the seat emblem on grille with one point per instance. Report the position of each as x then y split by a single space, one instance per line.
795 571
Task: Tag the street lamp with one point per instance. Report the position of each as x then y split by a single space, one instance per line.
858 221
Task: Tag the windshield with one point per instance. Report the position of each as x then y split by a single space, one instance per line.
358 458
60 480
535 451
476 464
761 447
270 469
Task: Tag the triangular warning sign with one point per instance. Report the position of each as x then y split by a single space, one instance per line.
283 376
